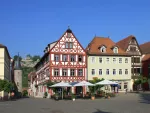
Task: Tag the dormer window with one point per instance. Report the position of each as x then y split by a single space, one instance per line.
115 50
103 49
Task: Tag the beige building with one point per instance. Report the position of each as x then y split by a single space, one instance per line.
4 66
107 60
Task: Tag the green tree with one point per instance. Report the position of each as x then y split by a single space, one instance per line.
140 81
97 87
36 57
16 56
6 86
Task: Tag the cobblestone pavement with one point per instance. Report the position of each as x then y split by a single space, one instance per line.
129 103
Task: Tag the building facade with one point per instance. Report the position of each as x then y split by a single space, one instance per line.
107 60
131 47
63 60
145 48
5 73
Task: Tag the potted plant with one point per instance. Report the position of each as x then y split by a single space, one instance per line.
73 97
93 96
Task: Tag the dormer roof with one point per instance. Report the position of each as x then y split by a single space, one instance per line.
103 41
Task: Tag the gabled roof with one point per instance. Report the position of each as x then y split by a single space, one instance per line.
2 46
67 31
124 42
145 48
97 41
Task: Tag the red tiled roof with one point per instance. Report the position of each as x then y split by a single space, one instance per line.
98 41
145 48
146 57
124 42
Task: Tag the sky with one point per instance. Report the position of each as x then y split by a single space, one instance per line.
27 26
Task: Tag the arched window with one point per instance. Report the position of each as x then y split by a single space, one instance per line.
103 49
115 50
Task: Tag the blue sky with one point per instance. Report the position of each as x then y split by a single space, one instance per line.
27 26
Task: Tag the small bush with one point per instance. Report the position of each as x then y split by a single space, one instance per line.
45 95
25 93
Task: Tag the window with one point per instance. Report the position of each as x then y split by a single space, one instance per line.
115 50
80 72
64 58
125 85
126 60
126 71
93 59
100 60
93 72
80 58
114 71
69 45
103 49
56 58
64 72
114 60
107 71
107 60
120 71
100 72
120 60
72 58
136 59
56 72
68 35
72 72
132 49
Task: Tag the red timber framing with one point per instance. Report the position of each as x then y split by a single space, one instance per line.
67 53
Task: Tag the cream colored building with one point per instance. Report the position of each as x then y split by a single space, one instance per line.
106 60
4 66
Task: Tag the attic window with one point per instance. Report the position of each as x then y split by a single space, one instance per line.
103 49
68 35
115 50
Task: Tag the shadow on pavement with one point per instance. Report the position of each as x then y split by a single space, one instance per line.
145 98
99 111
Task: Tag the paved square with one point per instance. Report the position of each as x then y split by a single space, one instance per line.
130 103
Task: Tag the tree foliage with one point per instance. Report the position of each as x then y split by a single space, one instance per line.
140 80
36 57
97 87
16 56
6 86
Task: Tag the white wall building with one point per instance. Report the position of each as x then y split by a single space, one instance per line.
107 60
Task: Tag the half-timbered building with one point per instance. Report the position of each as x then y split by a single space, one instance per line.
63 60
130 45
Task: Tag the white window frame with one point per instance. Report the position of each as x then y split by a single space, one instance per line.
120 60
114 60
115 50
107 71
114 70
126 60
100 60
107 60
100 72
93 70
93 59
126 71
120 71
103 49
